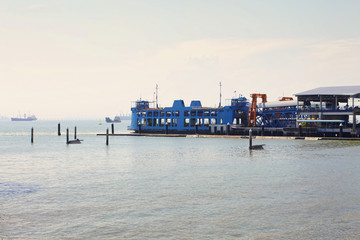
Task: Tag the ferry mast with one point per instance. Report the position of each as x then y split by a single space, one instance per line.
220 95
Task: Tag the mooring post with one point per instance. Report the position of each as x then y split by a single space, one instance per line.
300 130
59 131
67 136
262 129
228 128
107 137
32 135
75 132
196 128
112 128
250 138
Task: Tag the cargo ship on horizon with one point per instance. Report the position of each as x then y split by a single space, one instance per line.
25 118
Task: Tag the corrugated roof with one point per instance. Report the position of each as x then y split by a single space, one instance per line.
340 90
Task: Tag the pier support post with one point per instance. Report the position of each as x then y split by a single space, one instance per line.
340 130
354 121
59 130
107 137
75 132
139 125
250 138
32 135
67 136
196 128
112 128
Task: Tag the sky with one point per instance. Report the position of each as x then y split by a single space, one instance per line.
88 59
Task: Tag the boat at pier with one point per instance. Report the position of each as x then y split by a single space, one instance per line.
188 119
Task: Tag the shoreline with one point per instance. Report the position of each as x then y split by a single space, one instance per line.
228 136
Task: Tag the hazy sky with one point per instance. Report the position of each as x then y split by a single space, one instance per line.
91 58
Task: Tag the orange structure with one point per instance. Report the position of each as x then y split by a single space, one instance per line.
286 99
252 114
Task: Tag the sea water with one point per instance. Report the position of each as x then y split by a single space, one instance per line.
173 188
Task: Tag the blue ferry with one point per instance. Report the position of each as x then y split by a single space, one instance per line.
188 119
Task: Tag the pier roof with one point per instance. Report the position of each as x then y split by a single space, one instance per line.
339 91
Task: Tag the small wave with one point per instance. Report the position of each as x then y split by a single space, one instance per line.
10 188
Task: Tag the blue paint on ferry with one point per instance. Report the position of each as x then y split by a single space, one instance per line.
184 119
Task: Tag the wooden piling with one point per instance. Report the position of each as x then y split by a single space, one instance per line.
107 137
67 136
32 135
112 128
75 132
59 130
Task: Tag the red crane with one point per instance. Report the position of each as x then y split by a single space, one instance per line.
252 114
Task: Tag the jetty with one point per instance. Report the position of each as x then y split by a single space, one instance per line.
325 112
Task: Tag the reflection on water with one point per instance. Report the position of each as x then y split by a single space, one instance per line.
176 188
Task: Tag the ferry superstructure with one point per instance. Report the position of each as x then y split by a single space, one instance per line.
185 119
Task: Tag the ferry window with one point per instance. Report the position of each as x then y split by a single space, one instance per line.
200 113
193 113
177 113
168 113
192 122
186 113
200 122
162 113
149 113
155 122
149 122
213 113
162 122
143 114
168 121
156 113
221 121
213 121
143 121
138 114
206 113
175 122
206 122
186 122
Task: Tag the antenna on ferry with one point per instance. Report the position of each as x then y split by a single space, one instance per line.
157 96
220 95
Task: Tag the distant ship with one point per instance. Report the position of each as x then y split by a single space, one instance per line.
25 118
116 119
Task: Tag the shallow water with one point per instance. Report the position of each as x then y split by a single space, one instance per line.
173 188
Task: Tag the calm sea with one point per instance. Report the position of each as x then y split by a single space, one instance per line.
173 188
